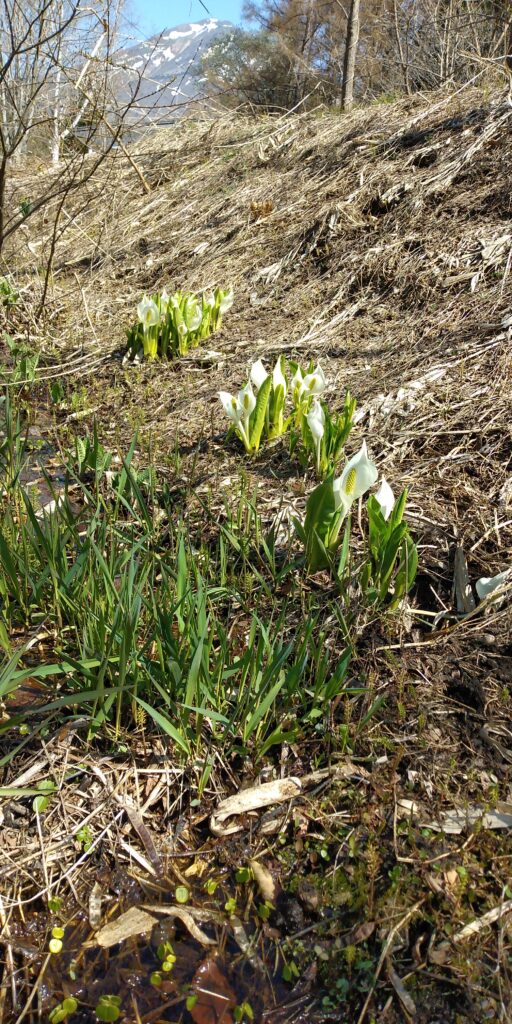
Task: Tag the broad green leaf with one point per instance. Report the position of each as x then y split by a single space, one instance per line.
318 524
258 416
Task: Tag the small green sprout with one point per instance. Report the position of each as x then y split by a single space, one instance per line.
8 295
85 837
41 803
55 944
244 875
290 971
165 953
265 909
108 1008
243 1012
63 1011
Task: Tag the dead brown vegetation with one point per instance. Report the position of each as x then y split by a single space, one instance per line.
385 251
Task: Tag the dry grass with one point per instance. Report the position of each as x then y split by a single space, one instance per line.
387 255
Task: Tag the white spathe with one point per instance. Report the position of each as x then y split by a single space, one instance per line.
232 406
148 313
278 377
358 476
247 399
226 301
314 383
385 498
316 424
316 421
192 314
258 374
488 584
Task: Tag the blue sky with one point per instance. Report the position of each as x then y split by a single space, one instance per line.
154 15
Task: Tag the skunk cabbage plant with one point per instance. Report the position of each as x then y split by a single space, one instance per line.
169 325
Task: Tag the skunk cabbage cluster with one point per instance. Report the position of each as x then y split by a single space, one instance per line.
169 325
389 568
265 416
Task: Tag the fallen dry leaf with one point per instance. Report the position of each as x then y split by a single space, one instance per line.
188 917
251 799
215 997
264 880
455 821
132 922
441 953
95 898
399 987
361 932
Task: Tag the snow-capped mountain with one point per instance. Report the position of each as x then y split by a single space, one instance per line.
164 66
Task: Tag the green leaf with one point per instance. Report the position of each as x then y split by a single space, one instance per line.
108 1008
261 709
406 573
166 725
299 529
344 548
398 511
389 557
258 416
41 803
377 704
276 738
318 524
63 1010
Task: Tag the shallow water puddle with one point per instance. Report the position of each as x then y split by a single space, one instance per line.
163 975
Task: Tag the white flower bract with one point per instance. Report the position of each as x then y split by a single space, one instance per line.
358 476
316 420
278 377
488 584
226 301
314 383
258 374
148 313
385 498
231 406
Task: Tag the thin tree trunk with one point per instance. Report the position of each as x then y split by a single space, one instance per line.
349 63
404 63
56 119
86 100
3 176
508 60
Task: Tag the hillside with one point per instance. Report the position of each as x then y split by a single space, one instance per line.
380 245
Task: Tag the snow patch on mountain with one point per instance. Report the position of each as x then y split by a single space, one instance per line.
161 69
